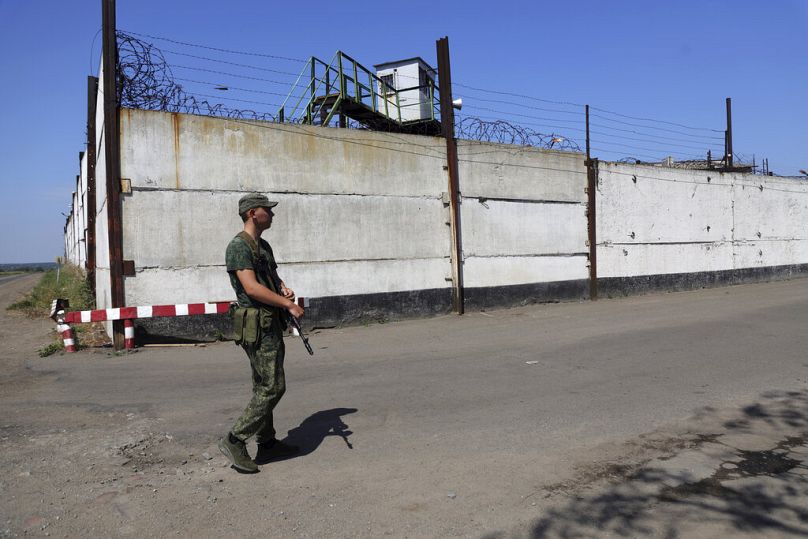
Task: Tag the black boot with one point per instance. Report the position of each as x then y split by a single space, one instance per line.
274 450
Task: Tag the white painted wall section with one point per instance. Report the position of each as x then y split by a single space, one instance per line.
656 220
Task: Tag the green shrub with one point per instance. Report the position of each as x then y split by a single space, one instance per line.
52 348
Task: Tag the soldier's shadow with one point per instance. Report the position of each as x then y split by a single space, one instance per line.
314 429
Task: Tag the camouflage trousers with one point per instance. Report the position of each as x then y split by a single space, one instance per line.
269 385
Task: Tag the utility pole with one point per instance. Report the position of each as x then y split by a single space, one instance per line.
591 221
447 125
92 95
112 154
729 134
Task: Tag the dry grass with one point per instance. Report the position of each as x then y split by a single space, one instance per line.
69 282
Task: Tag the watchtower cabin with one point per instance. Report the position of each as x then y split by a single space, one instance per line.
413 81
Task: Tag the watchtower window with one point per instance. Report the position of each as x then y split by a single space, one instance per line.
388 83
423 78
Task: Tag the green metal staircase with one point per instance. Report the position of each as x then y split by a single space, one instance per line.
328 94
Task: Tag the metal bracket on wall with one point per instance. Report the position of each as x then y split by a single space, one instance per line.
128 268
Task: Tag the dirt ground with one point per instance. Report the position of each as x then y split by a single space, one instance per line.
676 415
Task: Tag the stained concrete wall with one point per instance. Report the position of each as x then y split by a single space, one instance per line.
523 218
662 221
362 225
360 212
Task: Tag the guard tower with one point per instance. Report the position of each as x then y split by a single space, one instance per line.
414 82
406 101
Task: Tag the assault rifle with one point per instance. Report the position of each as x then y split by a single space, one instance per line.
296 325
291 320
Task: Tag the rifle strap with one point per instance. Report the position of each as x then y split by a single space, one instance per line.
263 279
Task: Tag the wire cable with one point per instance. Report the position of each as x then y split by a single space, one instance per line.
214 84
248 77
653 127
231 63
654 120
229 51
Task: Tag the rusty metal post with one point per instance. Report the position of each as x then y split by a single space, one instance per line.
591 221
92 95
729 134
587 133
112 153
447 125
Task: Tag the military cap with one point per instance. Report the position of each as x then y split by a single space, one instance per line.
254 200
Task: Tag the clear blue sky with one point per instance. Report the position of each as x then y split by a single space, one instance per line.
674 61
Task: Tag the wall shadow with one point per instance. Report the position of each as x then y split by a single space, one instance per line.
761 491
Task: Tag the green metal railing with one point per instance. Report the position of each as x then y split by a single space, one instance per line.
343 78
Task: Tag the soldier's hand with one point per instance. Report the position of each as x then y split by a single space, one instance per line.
288 293
295 310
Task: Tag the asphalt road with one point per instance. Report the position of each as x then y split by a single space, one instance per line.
665 415
8 278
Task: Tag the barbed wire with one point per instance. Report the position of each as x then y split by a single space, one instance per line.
145 81
500 131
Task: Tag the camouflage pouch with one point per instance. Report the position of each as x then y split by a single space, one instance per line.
246 325
268 319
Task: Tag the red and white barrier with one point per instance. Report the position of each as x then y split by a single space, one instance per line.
146 311
127 314
129 334
67 334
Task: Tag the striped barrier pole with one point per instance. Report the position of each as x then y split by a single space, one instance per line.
129 334
127 314
66 332
147 311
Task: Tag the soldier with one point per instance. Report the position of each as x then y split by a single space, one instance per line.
258 325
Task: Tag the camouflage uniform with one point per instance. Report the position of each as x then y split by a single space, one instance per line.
266 355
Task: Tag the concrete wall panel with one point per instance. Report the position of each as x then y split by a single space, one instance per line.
520 172
160 286
157 286
188 228
495 228
779 211
770 253
659 259
510 270
641 204
180 151
103 284
366 276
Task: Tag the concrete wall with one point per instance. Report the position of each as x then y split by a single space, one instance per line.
362 226
103 283
654 221
360 213
75 231
523 218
